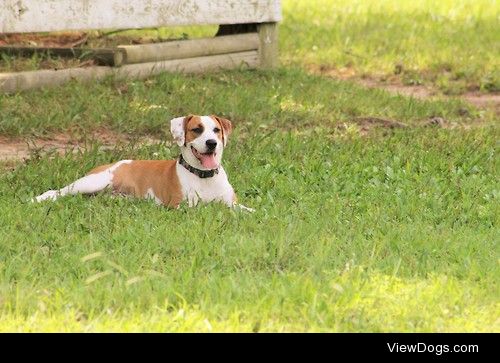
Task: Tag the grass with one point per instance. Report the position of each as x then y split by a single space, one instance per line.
387 233
385 230
394 231
286 98
451 45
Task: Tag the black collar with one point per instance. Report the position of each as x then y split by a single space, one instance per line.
201 173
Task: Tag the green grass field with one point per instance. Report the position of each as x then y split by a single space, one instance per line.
355 230
449 44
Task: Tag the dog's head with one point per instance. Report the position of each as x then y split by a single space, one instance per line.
201 138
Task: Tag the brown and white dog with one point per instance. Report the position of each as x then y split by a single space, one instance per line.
197 175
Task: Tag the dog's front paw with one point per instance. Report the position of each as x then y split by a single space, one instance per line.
49 195
242 207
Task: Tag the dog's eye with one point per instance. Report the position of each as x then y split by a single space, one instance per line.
216 130
198 130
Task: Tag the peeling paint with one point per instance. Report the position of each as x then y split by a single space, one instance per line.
18 9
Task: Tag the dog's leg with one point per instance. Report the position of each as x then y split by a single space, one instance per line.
237 206
232 202
89 184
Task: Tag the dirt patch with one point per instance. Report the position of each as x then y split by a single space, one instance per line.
394 85
75 39
420 92
479 100
365 125
16 149
368 122
61 40
484 100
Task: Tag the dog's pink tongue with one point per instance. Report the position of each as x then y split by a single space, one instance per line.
208 161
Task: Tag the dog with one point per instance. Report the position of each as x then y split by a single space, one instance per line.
196 176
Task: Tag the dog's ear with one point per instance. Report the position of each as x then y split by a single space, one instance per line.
178 128
227 127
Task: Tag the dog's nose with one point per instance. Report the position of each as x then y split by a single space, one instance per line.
211 144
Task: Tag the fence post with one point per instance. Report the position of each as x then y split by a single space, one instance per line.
268 50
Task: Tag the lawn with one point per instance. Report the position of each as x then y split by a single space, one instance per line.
448 44
358 227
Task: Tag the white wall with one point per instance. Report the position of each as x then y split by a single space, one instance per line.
53 15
